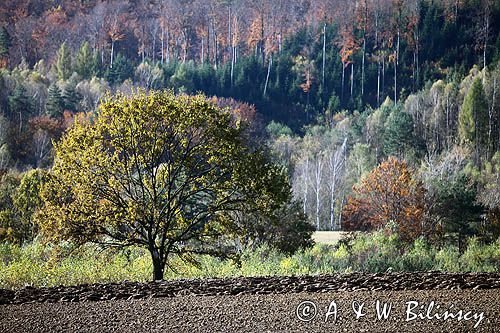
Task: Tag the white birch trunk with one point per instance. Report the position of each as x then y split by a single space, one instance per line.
270 63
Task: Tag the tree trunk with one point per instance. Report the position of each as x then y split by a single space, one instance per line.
158 265
306 176
486 28
378 81
216 49
279 43
233 60
363 69
352 77
342 89
319 167
229 36
396 63
202 51
262 51
340 213
112 53
208 43
332 206
268 72
395 82
417 65
324 59
168 47
154 47
490 115
383 75
162 45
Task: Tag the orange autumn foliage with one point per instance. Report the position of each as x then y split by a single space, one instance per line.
389 193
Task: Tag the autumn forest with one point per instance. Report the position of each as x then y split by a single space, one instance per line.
368 115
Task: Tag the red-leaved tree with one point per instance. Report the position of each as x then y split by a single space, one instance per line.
389 193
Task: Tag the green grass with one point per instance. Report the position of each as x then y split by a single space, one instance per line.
38 265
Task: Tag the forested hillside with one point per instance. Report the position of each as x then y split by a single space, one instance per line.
379 110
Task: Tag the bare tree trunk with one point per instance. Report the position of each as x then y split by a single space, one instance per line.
363 69
396 63
162 44
202 59
262 51
306 181
364 50
270 63
486 29
112 53
332 203
490 114
378 81
340 212
154 45
324 59
185 45
229 36
378 57
208 43
383 73
352 77
417 62
168 47
216 49
447 111
233 60
279 43
336 162
395 82
342 89
319 167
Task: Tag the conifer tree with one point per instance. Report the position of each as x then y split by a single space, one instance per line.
96 66
70 97
20 105
398 134
63 64
55 102
122 69
84 61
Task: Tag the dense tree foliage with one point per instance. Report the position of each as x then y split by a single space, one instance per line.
163 172
339 87
390 193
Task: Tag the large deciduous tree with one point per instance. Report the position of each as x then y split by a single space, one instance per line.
390 193
164 172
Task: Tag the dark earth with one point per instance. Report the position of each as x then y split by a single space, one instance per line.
268 304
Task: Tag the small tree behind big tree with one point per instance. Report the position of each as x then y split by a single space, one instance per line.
159 171
389 193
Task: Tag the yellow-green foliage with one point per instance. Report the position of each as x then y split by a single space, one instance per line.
159 171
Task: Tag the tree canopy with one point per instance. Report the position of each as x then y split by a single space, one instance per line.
390 193
160 171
